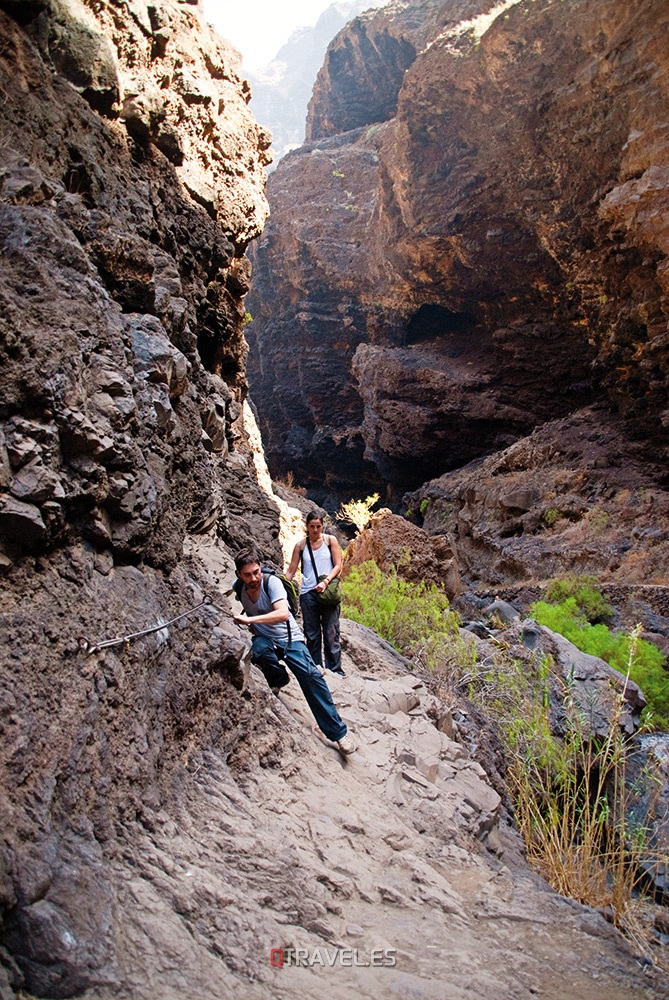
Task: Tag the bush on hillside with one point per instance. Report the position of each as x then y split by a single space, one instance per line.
569 793
647 666
589 600
414 617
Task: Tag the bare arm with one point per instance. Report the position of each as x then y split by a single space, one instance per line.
335 552
294 562
279 613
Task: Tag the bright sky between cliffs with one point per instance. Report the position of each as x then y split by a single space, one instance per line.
258 28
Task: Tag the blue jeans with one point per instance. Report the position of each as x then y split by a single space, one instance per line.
321 628
296 655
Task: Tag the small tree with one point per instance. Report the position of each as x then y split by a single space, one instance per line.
358 512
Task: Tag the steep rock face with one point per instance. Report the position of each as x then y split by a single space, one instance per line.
123 275
130 184
362 73
488 257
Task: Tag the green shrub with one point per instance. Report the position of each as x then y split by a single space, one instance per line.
414 617
647 661
570 807
568 793
589 600
551 516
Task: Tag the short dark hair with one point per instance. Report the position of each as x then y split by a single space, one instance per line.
314 515
246 556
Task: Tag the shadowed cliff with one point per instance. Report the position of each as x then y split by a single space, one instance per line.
472 241
131 181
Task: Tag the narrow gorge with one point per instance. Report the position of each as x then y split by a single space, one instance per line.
472 243
459 299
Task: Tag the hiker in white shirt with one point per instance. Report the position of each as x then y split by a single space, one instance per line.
319 556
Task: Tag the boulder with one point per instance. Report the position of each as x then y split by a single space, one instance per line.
647 805
601 695
21 523
392 541
502 610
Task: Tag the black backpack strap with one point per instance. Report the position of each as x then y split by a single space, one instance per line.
313 561
271 572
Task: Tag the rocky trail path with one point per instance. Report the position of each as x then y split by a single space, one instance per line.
398 854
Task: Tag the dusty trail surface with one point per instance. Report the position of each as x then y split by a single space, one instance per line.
401 847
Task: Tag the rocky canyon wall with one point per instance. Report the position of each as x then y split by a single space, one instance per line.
472 241
131 182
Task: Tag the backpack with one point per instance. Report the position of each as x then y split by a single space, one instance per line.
289 586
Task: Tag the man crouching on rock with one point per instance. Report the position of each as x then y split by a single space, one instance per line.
276 635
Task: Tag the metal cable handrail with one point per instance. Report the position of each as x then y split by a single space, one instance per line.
88 647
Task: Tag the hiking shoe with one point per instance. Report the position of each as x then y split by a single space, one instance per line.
346 745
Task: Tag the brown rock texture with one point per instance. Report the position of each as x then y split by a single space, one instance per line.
123 275
131 181
472 241
394 542
575 496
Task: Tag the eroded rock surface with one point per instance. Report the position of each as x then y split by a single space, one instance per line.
575 496
131 181
122 278
280 844
471 242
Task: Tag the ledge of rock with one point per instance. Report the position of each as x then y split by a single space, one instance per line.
575 496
